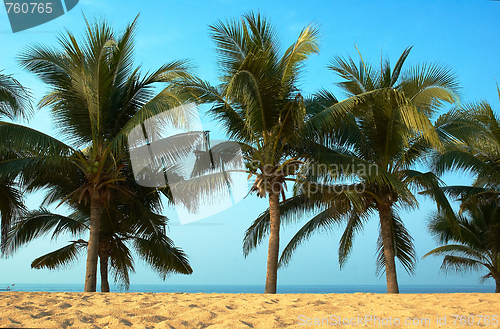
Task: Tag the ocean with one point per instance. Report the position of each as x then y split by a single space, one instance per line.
251 289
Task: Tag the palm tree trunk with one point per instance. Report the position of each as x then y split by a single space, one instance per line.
274 244
387 240
93 245
103 262
497 282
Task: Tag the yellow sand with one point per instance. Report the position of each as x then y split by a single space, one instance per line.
148 310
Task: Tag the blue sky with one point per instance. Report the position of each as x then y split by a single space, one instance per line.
461 34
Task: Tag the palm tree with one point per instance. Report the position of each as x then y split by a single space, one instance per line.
386 131
96 98
14 103
473 148
476 245
260 106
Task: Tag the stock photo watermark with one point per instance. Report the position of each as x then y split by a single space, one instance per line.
336 171
372 320
24 15
204 177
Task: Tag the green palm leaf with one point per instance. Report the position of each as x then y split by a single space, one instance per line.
37 223
159 252
403 247
122 264
15 100
60 258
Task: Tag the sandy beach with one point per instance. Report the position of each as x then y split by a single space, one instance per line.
178 310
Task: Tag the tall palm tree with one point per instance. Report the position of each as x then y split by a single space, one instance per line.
14 103
96 98
476 245
386 131
260 106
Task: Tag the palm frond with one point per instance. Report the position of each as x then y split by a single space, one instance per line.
11 207
296 54
160 253
24 141
459 264
460 250
429 85
404 249
60 258
15 100
354 225
37 223
121 263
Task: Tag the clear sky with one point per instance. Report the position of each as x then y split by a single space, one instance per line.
461 34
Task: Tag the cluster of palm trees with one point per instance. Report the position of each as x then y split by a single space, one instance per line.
346 160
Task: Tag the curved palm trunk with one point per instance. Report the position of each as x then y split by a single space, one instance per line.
387 240
104 247
274 244
93 245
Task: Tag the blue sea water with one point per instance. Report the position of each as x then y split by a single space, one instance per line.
245 289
